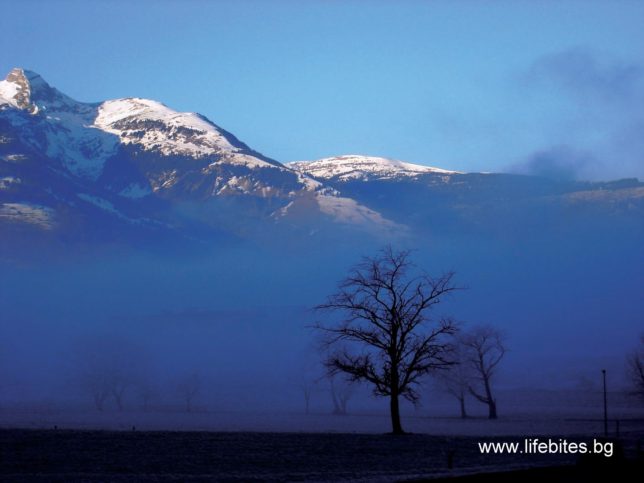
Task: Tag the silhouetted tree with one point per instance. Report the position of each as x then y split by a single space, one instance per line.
189 387
309 376
341 392
386 337
484 349
635 365
456 379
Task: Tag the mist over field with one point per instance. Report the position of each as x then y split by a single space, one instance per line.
239 320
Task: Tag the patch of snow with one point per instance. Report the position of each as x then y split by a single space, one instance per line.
356 167
105 205
28 91
32 214
15 158
135 191
238 184
347 210
99 202
7 181
240 159
83 151
156 127
309 183
168 179
8 91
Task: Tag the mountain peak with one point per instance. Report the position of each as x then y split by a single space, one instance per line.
353 166
27 90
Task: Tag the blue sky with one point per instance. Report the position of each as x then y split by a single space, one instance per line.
539 87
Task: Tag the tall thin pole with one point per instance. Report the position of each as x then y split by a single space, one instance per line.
605 405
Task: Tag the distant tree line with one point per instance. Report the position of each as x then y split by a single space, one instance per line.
111 370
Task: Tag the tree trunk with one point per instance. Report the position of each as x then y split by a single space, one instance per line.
491 403
336 403
396 427
463 411
492 409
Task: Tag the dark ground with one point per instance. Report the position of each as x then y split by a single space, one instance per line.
631 471
105 456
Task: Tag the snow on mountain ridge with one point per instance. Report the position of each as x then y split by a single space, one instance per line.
65 123
83 136
358 167
131 148
15 90
27 90
8 92
156 127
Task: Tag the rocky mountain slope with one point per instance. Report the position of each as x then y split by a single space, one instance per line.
136 169
73 166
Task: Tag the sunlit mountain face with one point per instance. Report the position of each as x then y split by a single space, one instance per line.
133 169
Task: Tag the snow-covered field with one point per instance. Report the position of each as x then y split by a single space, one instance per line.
174 419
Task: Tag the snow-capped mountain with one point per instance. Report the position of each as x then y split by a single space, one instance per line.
128 158
364 168
439 201
136 168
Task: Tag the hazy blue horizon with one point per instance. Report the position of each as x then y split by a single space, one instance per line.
505 86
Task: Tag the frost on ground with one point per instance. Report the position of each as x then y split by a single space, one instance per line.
65 443
50 415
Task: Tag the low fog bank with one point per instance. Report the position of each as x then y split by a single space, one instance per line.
227 333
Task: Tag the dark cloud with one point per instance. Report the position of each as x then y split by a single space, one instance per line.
588 76
597 125
556 162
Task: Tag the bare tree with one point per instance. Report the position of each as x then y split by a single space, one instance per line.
484 349
108 366
147 392
189 387
386 337
341 392
456 379
307 390
96 384
635 365
309 375
119 382
307 385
